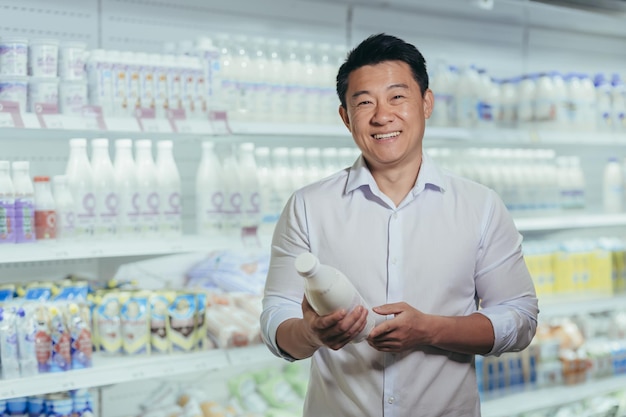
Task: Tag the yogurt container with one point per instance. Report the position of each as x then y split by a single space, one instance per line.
43 58
42 90
72 58
13 56
14 88
72 97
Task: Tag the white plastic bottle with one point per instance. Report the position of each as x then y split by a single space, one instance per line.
24 202
80 178
267 189
45 209
526 99
604 105
328 289
147 187
168 180
250 189
129 206
613 187
233 207
467 97
107 199
313 157
298 167
618 98
7 204
282 176
210 195
65 209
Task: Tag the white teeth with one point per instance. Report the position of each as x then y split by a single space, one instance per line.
386 135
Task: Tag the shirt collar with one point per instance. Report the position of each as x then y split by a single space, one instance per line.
430 176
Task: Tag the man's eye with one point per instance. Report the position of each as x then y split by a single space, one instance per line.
364 102
397 97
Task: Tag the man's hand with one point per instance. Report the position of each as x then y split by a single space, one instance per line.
336 329
408 329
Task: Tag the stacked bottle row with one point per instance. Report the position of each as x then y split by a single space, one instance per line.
527 180
77 403
95 197
471 97
35 72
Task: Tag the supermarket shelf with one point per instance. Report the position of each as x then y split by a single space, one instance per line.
567 221
60 250
564 305
115 370
510 405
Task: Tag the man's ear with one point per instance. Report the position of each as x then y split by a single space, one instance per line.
429 103
344 116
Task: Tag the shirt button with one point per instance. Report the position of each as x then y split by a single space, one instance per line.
391 400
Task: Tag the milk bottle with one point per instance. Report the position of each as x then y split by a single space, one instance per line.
210 193
613 187
618 99
169 185
328 289
147 187
65 208
233 207
80 178
250 187
7 204
24 202
45 209
129 205
267 187
104 189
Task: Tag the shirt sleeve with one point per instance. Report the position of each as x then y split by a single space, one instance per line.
284 288
503 283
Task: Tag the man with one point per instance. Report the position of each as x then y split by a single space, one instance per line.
421 245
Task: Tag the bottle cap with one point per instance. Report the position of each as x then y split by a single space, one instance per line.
306 263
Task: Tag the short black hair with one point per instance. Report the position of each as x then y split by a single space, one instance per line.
380 48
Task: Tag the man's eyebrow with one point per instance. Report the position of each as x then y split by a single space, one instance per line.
391 87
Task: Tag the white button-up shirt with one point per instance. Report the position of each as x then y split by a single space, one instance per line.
447 245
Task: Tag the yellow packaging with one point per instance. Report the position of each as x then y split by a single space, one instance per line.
601 277
135 320
107 323
159 305
181 323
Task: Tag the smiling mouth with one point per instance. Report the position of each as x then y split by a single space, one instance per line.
389 135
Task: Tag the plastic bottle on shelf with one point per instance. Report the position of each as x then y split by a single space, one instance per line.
618 98
311 110
561 120
259 91
169 184
467 97
147 187
328 101
209 55
129 206
146 81
579 182
282 176
526 99
233 206
80 178
444 92
545 106
613 187
100 80
120 83
105 191
588 102
488 100
294 70
574 91
277 80
298 167
267 187
7 204
161 94
210 193
24 202
250 187
228 85
244 78
45 209
330 160
65 208
327 289
508 98
604 105
313 157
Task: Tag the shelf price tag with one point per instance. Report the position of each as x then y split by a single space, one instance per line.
94 120
10 115
219 122
178 121
146 118
48 116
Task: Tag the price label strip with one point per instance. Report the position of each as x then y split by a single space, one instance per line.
219 122
48 116
92 115
10 115
178 121
146 118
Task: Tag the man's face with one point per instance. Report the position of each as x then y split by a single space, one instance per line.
386 114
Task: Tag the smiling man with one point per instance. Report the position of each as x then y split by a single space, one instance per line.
424 247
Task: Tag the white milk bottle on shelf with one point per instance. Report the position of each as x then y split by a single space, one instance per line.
579 182
107 199
129 206
444 92
100 80
311 112
298 167
545 107
613 187
267 187
526 99
80 178
65 208
588 102
7 204
210 193
209 55
250 188
24 202
169 184
294 76
328 289
277 80
147 187
618 98
330 160
313 157
328 101
228 85
561 120
604 105
508 99
45 209
233 207
282 176
467 97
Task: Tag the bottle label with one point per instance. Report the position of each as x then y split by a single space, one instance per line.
24 220
45 224
172 213
85 215
7 220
